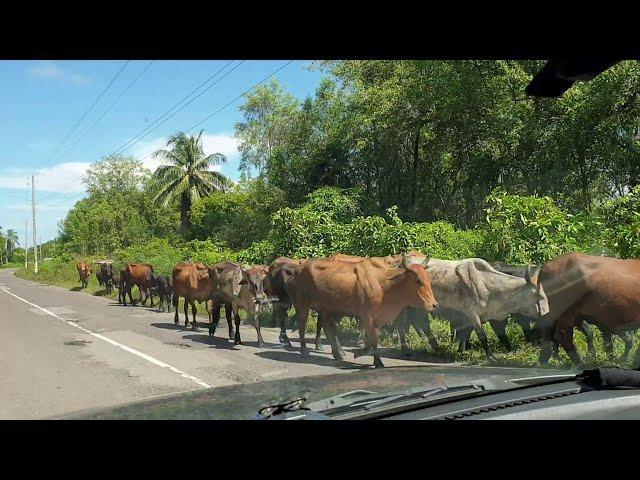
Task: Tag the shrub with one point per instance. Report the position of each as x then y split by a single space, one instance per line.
621 218
525 230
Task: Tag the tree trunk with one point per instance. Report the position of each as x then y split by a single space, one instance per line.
414 180
185 213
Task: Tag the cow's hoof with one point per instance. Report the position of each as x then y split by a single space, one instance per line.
319 348
261 345
194 328
212 333
339 357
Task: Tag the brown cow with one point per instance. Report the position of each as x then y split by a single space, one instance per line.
194 282
84 271
603 291
368 289
140 274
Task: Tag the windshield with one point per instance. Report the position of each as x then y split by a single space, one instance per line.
168 227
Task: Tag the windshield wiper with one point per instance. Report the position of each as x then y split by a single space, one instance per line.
369 401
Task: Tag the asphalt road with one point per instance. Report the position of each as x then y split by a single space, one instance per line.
63 351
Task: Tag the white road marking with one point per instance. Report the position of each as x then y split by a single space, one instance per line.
148 358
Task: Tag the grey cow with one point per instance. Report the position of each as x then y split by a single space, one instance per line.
471 292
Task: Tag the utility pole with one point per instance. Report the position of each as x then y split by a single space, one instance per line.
33 210
26 233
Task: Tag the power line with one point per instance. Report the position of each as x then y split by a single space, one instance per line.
52 194
189 102
238 97
150 128
132 141
207 117
112 105
66 200
77 124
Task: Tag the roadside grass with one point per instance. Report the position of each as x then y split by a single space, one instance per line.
65 275
11 265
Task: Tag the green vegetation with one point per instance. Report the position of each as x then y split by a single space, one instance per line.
447 157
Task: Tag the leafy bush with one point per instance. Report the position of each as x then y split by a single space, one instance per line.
523 230
236 218
621 218
262 252
157 251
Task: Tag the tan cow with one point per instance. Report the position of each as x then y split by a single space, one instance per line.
367 289
84 271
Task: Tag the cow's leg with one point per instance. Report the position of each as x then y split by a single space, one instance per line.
236 314
151 297
168 301
213 309
186 311
228 312
194 325
360 341
319 325
327 321
476 324
256 321
500 329
548 345
176 299
371 340
402 328
424 329
564 335
301 316
129 288
280 313
588 333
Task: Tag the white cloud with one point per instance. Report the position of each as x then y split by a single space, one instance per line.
223 143
50 70
64 177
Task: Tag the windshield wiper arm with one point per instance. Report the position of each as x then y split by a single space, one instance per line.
370 400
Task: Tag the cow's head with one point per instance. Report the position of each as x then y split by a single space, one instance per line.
533 295
417 284
253 278
414 258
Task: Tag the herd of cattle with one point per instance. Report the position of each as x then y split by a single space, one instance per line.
569 291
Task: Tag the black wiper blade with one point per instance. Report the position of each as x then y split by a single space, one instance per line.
371 400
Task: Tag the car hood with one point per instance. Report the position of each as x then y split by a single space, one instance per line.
239 402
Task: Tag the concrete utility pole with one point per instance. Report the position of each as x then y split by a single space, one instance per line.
26 233
33 210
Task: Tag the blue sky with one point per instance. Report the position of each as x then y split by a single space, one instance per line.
40 102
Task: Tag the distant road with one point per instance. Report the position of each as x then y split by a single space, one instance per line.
62 351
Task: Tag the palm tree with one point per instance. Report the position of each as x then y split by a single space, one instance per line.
187 176
12 241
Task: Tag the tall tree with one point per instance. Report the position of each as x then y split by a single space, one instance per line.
188 176
11 241
115 174
267 112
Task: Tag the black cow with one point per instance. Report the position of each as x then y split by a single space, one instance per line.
105 275
163 287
